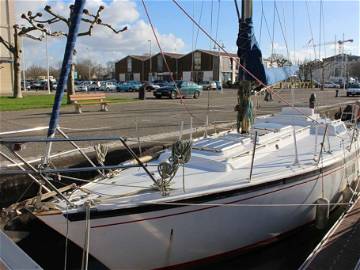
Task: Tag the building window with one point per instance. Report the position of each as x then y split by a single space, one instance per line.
129 64
197 60
160 63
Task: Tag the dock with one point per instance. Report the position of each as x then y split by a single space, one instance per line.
340 248
13 257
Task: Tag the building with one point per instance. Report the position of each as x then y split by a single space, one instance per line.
199 65
155 67
335 67
131 67
7 20
204 65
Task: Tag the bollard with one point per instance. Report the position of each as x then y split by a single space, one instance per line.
142 92
312 101
337 93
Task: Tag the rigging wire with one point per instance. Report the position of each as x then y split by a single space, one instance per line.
261 21
310 26
166 63
320 28
282 29
293 19
285 31
211 20
200 17
237 10
217 21
273 35
266 87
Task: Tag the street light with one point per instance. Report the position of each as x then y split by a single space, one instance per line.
150 60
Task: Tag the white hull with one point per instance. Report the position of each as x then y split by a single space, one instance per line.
186 234
217 208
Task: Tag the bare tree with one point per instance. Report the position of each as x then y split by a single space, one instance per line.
33 72
88 18
36 23
15 50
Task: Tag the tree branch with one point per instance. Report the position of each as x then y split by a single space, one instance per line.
7 44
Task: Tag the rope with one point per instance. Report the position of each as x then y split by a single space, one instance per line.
85 256
311 31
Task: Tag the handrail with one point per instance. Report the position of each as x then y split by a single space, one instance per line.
74 139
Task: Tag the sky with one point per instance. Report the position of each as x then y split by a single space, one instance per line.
298 23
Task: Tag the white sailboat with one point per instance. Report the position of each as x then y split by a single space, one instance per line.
215 208
214 196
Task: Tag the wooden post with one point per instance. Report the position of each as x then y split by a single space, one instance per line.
70 84
17 70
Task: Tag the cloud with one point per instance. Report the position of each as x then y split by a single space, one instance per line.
104 45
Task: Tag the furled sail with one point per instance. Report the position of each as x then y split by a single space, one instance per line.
250 54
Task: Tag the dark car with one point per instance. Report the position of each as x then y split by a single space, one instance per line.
187 89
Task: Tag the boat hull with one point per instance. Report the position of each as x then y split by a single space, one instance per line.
175 235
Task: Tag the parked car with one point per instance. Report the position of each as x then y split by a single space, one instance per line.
36 85
331 85
27 85
94 86
150 86
208 85
130 86
353 89
187 89
108 86
82 87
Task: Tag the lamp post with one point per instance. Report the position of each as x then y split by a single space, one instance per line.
150 60
89 75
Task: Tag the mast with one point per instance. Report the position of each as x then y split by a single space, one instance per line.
75 19
251 59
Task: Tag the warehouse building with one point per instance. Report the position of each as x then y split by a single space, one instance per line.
204 65
199 65
130 68
155 67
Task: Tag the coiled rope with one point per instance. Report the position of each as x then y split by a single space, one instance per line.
180 154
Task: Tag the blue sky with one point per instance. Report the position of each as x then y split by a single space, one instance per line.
339 17
178 34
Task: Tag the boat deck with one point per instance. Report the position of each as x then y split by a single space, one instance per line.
340 249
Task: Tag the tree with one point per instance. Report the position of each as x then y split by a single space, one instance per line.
15 50
89 18
34 72
36 24
85 69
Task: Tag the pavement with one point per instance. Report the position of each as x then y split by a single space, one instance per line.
155 116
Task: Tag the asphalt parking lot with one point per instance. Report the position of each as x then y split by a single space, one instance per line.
154 116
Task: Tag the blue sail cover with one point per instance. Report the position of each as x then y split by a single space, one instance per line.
249 53
251 58
274 75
